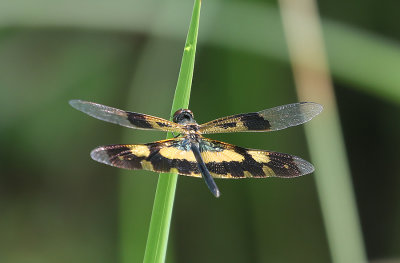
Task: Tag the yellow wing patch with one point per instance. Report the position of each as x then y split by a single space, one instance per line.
226 155
140 150
259 156
175 153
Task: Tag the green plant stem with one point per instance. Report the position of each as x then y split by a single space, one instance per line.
157 240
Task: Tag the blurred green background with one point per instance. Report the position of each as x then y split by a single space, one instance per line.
57 205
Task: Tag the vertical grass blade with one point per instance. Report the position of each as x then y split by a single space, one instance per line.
304 38
157 240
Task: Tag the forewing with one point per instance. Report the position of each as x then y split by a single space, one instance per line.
173 155
125 118
225 160
273 119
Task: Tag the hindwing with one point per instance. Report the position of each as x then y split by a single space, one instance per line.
172 155
225 160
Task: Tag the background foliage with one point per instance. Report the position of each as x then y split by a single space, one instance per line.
57 205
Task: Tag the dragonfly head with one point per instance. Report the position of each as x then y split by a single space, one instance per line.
184 116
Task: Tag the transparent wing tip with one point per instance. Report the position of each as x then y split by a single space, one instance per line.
310 109
303 166
100 155
77 104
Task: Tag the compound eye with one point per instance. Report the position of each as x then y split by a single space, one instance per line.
182 114
176 115
186 116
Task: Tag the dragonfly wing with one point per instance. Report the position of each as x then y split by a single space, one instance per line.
225 160
273 119
172 155
125 118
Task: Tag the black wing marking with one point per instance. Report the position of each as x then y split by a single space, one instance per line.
125 118
225 160
273 119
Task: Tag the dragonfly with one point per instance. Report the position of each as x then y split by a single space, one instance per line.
191 154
